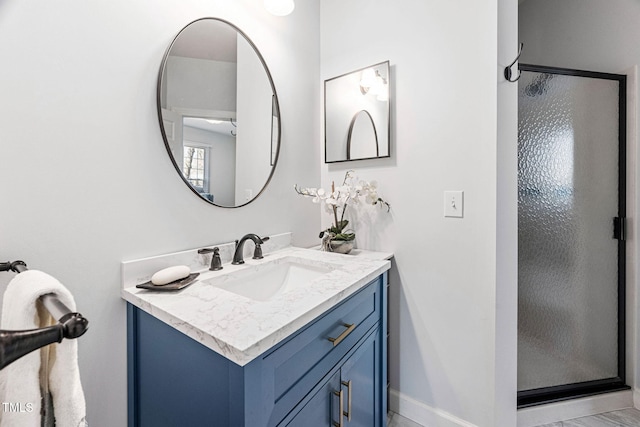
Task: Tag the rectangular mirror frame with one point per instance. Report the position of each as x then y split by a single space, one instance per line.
354 112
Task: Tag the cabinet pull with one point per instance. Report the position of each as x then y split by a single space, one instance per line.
338 340
348 411
340 422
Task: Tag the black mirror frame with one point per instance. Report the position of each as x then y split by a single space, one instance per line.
276 111
348 149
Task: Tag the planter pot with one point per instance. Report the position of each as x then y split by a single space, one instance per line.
341 246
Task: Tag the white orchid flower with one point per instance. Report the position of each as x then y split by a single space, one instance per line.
340 202
342 189
328 208
352 192
372 197
320 195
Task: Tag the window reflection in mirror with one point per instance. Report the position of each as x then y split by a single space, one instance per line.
215 141
219 113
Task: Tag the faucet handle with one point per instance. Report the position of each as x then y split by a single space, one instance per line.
216 262
257 252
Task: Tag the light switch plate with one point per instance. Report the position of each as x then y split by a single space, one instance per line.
453 204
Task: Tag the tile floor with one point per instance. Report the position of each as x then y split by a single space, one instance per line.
395 420
622 418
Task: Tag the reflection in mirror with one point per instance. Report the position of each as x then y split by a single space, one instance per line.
362 139
357 115
219 113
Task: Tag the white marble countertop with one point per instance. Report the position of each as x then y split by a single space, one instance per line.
241 328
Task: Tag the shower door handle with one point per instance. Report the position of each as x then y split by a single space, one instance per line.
619 231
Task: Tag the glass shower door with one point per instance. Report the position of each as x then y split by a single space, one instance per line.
570 266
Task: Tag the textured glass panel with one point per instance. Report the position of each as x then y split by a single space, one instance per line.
567 258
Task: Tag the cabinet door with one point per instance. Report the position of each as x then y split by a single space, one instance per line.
355 390
323 409
361 383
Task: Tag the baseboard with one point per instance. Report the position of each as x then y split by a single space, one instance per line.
576 408
423 414
636 398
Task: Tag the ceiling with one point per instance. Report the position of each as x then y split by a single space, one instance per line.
207 39
224 128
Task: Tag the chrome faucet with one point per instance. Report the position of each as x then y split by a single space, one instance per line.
257 252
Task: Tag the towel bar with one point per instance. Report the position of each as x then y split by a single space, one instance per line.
15 344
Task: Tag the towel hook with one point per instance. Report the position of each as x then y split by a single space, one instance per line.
508 73
234 134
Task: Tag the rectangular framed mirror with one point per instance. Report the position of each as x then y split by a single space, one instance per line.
356 115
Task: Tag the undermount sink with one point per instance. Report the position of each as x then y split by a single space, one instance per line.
263 282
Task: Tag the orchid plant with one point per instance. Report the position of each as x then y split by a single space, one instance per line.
336 202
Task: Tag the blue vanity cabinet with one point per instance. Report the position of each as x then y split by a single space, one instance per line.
358 379
173 380
322 408
354 391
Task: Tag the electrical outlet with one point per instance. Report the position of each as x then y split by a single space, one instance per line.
453 204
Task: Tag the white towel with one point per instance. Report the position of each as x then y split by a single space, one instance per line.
19 381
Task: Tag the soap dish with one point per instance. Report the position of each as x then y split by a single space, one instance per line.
173 286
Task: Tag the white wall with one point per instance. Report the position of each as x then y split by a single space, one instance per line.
580 34
596 36
452 364
86 177
255 118
200 84
507 222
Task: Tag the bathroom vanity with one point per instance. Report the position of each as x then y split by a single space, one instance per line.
309 350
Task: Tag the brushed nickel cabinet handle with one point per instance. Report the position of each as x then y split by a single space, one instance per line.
341 419
348 411
338 340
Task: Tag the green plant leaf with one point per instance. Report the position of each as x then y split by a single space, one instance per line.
345 236
341 226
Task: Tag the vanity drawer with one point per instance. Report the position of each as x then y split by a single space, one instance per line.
296 366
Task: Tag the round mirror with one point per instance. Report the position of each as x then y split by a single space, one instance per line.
219 113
